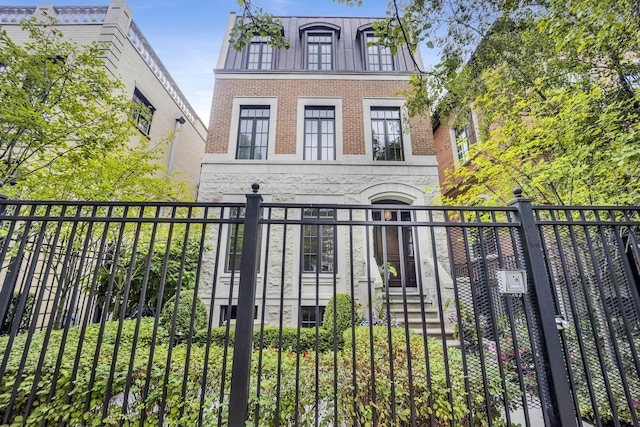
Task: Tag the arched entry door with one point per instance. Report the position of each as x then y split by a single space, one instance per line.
397 242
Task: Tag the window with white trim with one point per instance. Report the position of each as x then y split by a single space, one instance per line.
235 240
253 133
318 242
464 134
260 54
319 133
386 130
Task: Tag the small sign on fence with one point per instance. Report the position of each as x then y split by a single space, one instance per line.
512 281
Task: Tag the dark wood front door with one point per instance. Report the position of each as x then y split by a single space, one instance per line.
394 243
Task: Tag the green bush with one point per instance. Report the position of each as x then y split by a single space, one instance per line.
347 313
70 389
430 390
184 315
218 336
271 338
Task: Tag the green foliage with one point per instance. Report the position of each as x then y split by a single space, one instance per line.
168 383
185 314
271 338
434 395
65 126
347 314
24 323
160 265
62 398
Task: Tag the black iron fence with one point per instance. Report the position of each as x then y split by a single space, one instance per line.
336 315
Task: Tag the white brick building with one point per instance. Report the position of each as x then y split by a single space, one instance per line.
130 57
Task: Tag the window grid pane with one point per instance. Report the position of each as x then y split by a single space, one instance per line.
386 130
318 243
319 137
320 52
234 244
311 316
253 133
260 54
465 136
379 57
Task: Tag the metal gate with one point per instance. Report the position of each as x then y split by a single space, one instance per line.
281 314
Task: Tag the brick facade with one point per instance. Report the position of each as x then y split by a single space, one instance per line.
352 92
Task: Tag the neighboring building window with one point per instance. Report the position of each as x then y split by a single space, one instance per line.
253 133
379 57
319 133
465 135
319 51
318 242
260 56
311 316
144 112
234 243
386 131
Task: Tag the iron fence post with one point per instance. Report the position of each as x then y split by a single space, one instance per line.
560 407
6 292
243 348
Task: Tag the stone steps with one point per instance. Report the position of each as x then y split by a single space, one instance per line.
416 306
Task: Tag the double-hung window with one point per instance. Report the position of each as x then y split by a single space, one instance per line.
253 133
319 133
319 242
464 135
319 51
143 113
386 130
260 55
379 57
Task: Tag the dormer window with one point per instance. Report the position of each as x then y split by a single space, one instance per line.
319 40
260 54
319 51
379 57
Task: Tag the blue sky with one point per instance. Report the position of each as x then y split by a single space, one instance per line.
187 34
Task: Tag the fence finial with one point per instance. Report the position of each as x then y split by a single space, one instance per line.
255 187
517 191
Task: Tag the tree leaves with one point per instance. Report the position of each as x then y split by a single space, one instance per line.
65 126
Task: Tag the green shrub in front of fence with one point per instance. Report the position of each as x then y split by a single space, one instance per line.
168 386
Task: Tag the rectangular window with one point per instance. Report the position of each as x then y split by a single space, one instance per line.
233 313
143 113
379 57
311 316
465 136
234 243
387 134
319 133
320 52
253 133
260 55
318 242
